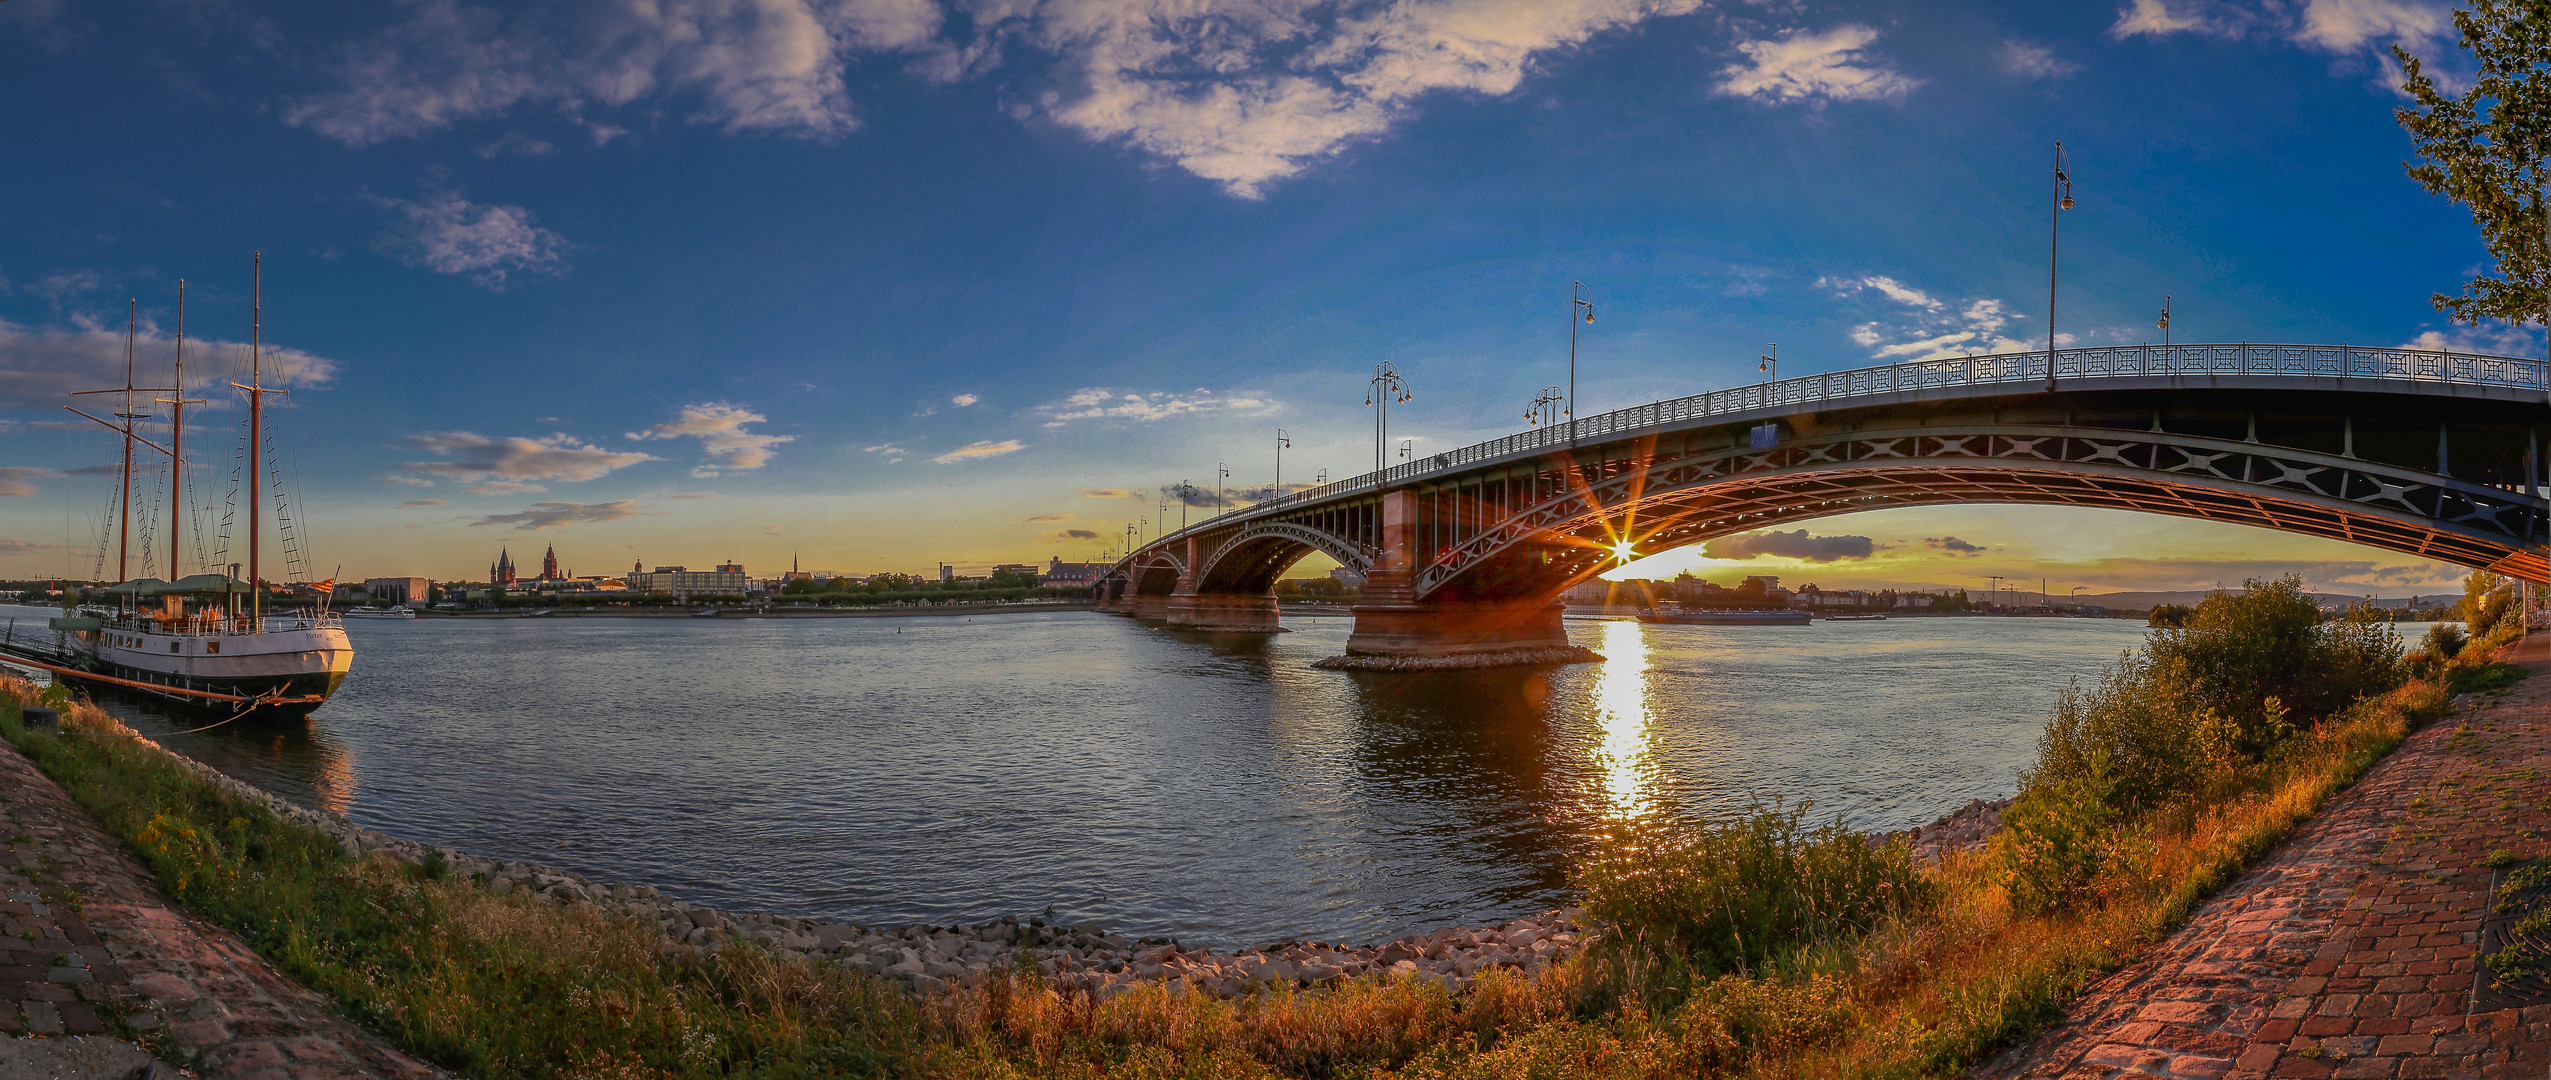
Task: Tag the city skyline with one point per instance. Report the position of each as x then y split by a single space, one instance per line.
964 286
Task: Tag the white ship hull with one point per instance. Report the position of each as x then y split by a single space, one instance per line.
295 662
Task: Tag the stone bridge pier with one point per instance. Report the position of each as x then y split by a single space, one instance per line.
1396 630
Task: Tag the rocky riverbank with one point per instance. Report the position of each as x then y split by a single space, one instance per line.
1084 958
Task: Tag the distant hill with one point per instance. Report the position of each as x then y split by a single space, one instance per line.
2190 597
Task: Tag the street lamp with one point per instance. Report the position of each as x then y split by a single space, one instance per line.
2054 219
1282 440
1541 410
1387 384
1770 367
2164 324
1578 300
1222 488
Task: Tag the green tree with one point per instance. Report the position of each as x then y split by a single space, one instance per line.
2490 149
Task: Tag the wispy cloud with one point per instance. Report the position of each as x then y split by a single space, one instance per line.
695 495
891 452
15 480
1952 545
1797 66
448 234
977 450
2497 339
40 368
2364 29
415 503
1790 545
1101 403
2035 61
550 515
1104 493
513 464
768 65
1066 536
720 427
1919 326
1048 519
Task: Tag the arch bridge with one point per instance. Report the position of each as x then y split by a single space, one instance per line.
2438 455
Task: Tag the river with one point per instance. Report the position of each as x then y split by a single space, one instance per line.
947 769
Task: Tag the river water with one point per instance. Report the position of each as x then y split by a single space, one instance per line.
946 769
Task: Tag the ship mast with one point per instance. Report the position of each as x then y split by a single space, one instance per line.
256 415
177 439
124 514
124 475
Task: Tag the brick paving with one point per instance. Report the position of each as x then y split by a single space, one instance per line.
2351 952
91 947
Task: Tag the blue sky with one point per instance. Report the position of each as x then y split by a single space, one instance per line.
891 282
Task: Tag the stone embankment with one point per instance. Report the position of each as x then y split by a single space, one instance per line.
1967 830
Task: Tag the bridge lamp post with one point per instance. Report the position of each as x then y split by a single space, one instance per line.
1222 488
1282 440
1541 410
2054 219
1578 301
1386 385
2164 324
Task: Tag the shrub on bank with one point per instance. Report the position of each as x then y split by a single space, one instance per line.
1681 904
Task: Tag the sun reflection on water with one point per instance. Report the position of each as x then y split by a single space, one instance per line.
1621 708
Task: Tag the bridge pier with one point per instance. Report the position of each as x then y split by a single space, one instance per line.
1397 631
1224 612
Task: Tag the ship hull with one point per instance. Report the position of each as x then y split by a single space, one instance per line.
295 667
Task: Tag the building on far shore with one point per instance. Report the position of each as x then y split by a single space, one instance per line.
1070 575
728 579
398 590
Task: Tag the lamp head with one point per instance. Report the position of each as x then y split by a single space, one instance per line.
2067 203
1589 313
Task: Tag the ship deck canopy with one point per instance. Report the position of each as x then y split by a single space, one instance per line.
199 583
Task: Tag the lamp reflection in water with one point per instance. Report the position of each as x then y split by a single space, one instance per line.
1621 708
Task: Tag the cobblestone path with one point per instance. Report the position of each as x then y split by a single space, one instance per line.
2350 951
89 940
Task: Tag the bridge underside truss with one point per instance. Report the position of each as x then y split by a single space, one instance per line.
1473 545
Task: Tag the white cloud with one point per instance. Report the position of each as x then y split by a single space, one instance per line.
746 65
2357 27
720 427
1817 68
452 235
2035 61
1919 326
963 400
2350 25
976 450
1248 92
1101 403
2495 339
512 465
40 368
2155 18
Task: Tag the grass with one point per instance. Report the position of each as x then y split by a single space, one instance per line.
1876 973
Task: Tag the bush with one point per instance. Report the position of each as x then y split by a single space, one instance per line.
2170 615
2488 600
2268 641
2054 840
1689 902
2443 642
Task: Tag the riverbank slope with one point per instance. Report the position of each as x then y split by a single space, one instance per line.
2354 950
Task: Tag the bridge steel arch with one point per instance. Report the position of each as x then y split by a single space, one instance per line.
2441 456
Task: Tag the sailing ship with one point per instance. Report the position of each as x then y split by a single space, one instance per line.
210 642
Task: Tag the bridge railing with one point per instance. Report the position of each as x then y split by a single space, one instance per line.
2000 369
